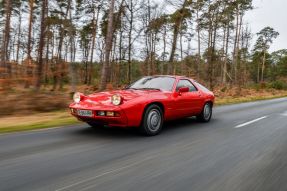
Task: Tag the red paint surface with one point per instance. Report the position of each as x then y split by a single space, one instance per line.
175 104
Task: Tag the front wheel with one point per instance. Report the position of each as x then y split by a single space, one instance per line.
206 113
152 120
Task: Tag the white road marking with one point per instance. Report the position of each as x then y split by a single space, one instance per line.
103 174
250 122
284 113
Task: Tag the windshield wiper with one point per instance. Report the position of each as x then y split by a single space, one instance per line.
129 88
150 89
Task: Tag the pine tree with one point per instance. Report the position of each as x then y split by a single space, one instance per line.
265 39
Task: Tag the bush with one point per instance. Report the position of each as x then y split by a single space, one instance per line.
28 103
223 89
278 85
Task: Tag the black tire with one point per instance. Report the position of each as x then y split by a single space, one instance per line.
152 120
206 113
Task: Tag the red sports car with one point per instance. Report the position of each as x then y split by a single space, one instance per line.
146 104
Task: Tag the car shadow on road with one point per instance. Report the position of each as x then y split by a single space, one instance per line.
185 124
108 132
170 127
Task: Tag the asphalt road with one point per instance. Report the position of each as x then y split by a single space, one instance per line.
243 148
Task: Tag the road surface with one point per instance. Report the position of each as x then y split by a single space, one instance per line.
243 148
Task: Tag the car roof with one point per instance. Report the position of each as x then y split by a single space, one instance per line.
175 76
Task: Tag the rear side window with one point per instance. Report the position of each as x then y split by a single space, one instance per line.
202 87
186 83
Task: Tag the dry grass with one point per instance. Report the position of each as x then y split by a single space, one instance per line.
25 103
234 95
36 121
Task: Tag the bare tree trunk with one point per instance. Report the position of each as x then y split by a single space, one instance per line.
12 48
47 59
258 73
209 51
263 65
176 30
130 40
198 47
120 55
226 55
72 59
6 35
147 60
173 47
71 68
238 66
247 38
154 37
86 57
19 37
181 54
60 61
113 58
149 41
41 45
94 34
31 6
212 57
29 59
234 61
164 50
242 60
105 77
223 53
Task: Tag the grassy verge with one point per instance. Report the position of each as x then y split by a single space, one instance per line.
232 100
36 121
62 118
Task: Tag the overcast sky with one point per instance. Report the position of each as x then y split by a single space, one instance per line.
271 13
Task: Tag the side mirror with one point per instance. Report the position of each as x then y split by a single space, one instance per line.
183 89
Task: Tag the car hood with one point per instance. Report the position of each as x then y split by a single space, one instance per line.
104 98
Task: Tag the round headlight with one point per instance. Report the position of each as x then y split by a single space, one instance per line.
77 97
116 99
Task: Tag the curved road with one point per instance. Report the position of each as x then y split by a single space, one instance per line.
244 148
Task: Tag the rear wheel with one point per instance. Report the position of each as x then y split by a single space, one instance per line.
206 113
152 120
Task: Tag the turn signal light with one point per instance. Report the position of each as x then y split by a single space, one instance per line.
108 113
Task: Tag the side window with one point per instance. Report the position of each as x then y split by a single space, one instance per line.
202 87
186 83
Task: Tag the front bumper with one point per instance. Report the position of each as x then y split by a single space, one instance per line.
118 121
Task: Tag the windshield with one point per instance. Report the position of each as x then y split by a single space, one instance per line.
154 82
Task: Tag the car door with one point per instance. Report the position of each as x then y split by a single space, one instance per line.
188 103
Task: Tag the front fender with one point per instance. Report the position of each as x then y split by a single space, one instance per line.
133 110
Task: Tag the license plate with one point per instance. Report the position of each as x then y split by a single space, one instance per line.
85 113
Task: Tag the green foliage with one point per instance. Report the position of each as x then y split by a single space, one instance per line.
265 38
117 21
278 85
157 23
279 61
85 34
